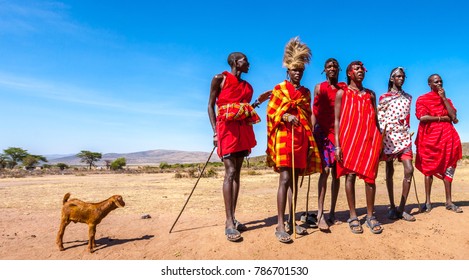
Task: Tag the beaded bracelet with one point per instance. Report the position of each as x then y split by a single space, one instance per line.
256 104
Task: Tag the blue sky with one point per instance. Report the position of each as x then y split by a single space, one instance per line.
127 76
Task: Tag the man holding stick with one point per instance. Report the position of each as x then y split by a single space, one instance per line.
291 148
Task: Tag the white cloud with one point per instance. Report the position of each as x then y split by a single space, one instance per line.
92 97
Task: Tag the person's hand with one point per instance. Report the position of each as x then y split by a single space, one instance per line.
441 92
291 119
338 154
215 140
264 96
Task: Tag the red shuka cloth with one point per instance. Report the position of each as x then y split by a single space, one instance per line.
438 145
323 108
359 136
234 135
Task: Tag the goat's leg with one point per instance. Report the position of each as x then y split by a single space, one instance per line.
91 235
60 235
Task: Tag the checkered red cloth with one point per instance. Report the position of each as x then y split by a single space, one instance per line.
286 99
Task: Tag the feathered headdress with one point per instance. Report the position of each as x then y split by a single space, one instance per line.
296 55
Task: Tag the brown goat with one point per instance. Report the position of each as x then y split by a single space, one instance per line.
75 210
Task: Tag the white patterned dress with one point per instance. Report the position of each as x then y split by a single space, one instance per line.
394 117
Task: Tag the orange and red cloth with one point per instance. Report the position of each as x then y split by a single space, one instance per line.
286 98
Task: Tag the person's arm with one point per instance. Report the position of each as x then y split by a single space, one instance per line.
428 118
449 108
314 106
313 121
373 102
263 97
215 88
337 107
316 90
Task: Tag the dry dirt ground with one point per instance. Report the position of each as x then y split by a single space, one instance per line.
30 213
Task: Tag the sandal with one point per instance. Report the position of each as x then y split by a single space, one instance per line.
372 226
309 219
232 234
312 220
392 214
355 228
239 226
405 216
299 229
283 237
427 207
454 208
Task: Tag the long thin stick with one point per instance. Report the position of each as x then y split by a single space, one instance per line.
293 179
415 185
416 196
187 200
307 196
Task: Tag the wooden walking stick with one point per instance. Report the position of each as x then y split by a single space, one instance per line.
304 217
416 196
187 200
293 180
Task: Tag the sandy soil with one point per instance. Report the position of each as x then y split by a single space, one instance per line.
30 214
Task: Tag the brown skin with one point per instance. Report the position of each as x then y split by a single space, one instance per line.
332 73
436 85
231 182
357 74
398 80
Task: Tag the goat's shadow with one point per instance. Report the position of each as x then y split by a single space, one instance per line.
106 242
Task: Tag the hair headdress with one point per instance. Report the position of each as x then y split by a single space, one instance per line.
296 55
397 69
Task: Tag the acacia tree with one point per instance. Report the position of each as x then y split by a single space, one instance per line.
108 163
3 161
14 155
89 157
30 161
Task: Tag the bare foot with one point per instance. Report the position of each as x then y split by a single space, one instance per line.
322 224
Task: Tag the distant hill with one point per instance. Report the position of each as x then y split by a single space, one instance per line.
152 157
155 157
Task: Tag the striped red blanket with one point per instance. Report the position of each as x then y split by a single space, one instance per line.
359 136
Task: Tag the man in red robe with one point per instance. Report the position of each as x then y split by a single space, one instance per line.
233 131
323 108
438 143
358 143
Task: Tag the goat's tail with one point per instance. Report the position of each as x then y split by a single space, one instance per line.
66 197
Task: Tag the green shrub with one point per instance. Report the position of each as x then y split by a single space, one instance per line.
118 164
